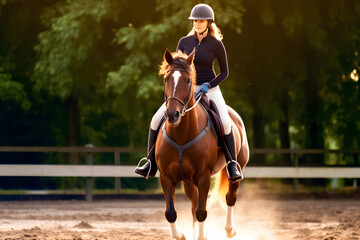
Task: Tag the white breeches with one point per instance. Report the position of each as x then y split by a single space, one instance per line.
155 121
213 94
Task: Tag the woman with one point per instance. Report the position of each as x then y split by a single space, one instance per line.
206 38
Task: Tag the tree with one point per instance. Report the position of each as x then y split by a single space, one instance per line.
288 49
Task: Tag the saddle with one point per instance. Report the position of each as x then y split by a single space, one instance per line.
210 107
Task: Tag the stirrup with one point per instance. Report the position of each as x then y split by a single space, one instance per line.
227 171
148 160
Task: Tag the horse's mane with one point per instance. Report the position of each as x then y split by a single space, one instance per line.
179 61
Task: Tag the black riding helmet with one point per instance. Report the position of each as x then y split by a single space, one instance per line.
202 12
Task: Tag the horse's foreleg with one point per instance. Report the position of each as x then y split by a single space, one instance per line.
201 213
170 213
230 201
192 193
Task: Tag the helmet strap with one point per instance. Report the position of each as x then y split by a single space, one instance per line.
209 23
202 33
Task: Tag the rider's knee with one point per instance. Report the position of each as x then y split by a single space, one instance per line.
156 119
226 122
227 128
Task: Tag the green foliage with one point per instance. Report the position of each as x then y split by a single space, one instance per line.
293 53
290 63
13 91
67 45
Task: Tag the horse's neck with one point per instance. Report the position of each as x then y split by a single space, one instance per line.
188 128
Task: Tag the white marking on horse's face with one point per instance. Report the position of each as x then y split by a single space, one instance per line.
176 75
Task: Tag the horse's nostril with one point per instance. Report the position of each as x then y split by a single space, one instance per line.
172 116
177 115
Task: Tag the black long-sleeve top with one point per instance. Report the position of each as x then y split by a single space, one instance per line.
206 52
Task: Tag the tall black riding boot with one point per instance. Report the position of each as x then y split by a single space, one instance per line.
149 169
231 164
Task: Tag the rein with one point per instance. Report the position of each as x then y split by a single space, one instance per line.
196 103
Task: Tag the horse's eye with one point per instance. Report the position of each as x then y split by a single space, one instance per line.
189 80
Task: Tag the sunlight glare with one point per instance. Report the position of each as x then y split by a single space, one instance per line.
215 234
354 75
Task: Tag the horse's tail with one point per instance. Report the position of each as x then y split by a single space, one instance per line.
221 187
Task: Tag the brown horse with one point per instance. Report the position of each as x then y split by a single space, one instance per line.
186 149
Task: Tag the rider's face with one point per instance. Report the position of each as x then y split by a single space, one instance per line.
200 25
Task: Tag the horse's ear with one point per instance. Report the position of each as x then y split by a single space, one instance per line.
190 58
168 57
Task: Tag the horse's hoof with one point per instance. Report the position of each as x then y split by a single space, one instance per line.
230 234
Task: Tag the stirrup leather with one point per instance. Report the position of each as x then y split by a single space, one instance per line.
148 160
227 171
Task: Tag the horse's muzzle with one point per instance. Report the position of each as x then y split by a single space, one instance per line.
172 117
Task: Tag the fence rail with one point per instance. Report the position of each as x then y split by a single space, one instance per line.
54 170
134 150
118 171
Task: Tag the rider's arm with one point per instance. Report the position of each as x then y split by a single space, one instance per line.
223 65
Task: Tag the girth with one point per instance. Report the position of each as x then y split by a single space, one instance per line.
182 148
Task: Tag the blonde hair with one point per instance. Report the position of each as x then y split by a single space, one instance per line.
213 30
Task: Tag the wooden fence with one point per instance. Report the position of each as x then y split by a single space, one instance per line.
89 170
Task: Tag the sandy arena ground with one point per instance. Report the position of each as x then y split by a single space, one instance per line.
255 219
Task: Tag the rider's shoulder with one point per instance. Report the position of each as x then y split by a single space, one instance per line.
215 40
187 38
218 43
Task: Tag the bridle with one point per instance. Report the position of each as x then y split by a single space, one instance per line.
187 99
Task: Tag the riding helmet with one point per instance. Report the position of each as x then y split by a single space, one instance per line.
202 12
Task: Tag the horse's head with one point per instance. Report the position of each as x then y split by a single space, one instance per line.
179 75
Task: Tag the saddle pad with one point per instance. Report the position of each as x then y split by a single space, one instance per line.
215 118
213 112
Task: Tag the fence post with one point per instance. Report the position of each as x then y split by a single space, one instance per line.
89 180
296 180
117 179
357 163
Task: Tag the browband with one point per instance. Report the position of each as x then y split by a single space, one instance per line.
175 69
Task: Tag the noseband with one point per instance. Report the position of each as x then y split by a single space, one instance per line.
187 99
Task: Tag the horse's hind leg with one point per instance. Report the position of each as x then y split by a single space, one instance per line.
231 195
170 213
192 193
230 201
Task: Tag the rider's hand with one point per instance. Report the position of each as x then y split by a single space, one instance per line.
204 88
